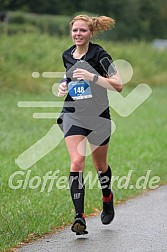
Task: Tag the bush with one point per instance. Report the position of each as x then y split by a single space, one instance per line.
19 28
17 17
29 22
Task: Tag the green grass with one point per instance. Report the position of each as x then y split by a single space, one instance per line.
23 54
138 144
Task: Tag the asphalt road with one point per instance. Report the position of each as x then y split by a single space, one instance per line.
140 225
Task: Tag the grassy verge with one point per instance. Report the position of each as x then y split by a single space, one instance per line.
138 145
137 148
23 54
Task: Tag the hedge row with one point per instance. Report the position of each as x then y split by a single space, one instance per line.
17 22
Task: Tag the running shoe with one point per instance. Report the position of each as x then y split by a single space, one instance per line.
79 225
108 212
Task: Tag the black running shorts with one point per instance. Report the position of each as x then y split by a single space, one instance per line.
96 129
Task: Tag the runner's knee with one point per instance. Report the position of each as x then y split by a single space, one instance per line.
77 164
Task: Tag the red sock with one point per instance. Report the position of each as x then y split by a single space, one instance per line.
107 199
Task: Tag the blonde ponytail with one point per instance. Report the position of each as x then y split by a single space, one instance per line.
96 24
102 23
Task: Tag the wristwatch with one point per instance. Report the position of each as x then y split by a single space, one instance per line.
95 77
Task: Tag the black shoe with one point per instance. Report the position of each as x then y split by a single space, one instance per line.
79 225
108 212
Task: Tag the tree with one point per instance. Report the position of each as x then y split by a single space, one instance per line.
135 19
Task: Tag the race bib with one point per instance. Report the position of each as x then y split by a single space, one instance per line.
79 89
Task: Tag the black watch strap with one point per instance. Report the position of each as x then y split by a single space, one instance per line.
95 77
